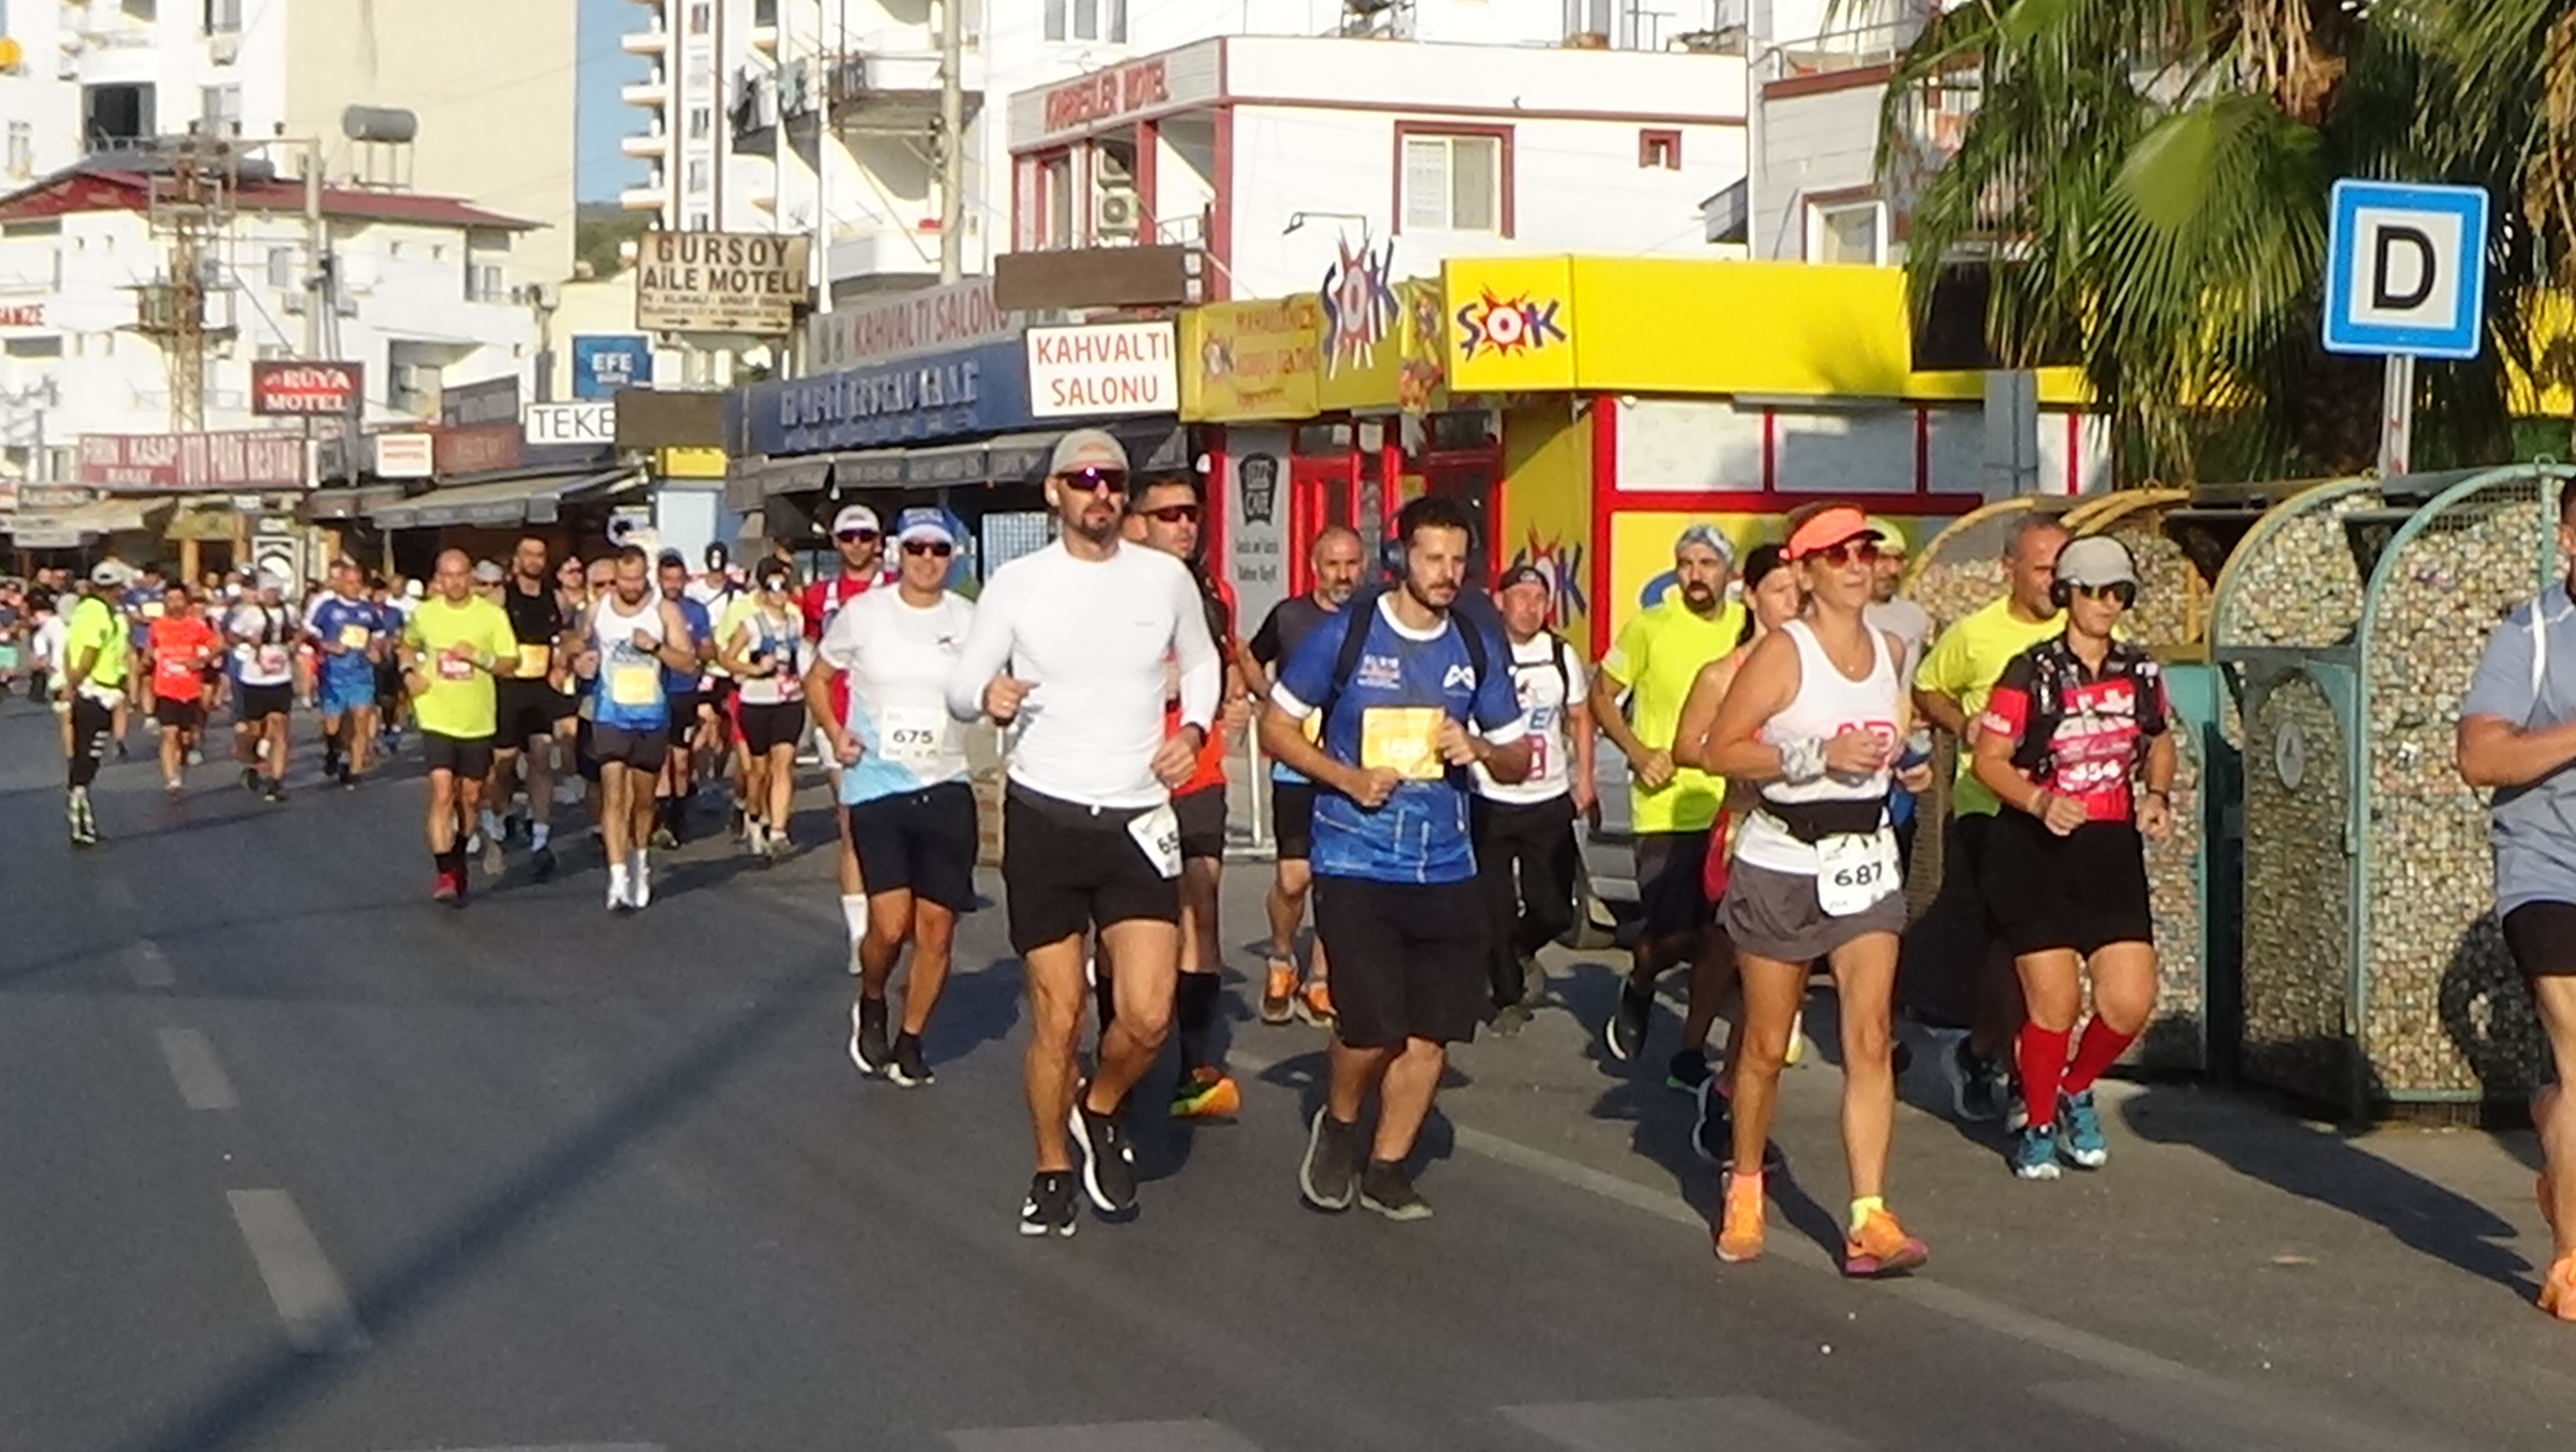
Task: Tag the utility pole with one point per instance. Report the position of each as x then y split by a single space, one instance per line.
952 140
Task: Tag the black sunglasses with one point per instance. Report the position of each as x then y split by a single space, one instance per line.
2122 591
857 536
939 548
1173 513
1095 481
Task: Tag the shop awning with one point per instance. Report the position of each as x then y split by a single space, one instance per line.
537 499
206 522
65 529
358 503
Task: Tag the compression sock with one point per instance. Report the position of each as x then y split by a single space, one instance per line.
1862 1206
2100 1048
1195 1008
2043 1068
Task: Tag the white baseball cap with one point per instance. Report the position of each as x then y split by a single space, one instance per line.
856 516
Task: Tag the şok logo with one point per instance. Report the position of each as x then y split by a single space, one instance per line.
1359 305
1505 326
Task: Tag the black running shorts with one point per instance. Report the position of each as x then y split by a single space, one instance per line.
469 758
1408 959
252 704
1202 815
643 750
2084 891
1292 819
2542 937
919 842
1671 883
1068 868
684 717
765 728
527 711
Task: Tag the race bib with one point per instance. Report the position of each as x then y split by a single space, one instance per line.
635 685
450 668
1854 870
354 637
534 658
1404 740
270 659
1158 833
910 736
1313 728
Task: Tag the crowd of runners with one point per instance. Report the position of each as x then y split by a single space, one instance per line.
1434 751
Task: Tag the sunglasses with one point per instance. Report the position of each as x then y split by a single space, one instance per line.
1174 514
857 536
1850 551
937 548
1096 481
2121 591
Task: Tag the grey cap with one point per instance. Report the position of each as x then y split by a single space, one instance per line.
2096 560
487 573
1088 449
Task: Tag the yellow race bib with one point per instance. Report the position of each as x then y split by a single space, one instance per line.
1404 740
353 637
533 659
635 685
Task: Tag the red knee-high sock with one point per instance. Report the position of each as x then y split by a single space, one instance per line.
2042 1056
2101 1047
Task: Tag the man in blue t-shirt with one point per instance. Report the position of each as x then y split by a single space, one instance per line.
1411 697
351 636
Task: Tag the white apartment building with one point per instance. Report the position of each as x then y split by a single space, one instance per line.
421 299
819 116
489 81
1820 81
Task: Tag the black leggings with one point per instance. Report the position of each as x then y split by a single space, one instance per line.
1525 857
92 724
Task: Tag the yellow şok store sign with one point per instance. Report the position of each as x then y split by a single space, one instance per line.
1250 360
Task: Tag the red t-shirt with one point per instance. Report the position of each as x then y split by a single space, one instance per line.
2077 732
1210 771
822 600
180 647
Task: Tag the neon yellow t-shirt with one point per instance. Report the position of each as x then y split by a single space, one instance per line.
1656 657
1964 666
458 701
95 627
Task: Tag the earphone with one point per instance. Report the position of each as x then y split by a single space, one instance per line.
2062 594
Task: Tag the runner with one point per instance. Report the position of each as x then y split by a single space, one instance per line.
179 644
762 643
902 783
1911 624
856 539
688 702
1815 717
634 637
263 632
96 653
350 634
1409 698
1950 690
393 612
1774 590
1070 646
141 603
1335 563
2517 735
1671 807
2074 740
531 701
1526 852
1165 516
46 654
451 648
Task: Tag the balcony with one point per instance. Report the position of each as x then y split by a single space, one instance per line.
653 90
652 196
882 250
764 26
645 145
869 90
652 40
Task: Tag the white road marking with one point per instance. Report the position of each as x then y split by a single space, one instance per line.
201 1079
310 1299
1679 1424
1107 1437
148 966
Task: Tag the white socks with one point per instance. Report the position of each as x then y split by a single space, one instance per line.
539 834
854 912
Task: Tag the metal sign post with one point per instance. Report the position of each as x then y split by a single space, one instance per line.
2397 415
2405 279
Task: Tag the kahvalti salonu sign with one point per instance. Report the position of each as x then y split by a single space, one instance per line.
720 282
243 459
327 390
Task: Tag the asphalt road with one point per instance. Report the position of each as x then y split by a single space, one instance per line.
298 1160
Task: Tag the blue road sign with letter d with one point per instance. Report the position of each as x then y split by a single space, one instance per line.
2406 270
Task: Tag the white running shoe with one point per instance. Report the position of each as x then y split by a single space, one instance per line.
617 899
639 879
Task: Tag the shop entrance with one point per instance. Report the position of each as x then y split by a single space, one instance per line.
1358 475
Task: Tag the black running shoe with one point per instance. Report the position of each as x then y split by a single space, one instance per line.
1625 1035
250 778
276 791
868 1038
1329 1175
1388 1190
1108 1161
1688 1071
1049 1208
541 863
909 1069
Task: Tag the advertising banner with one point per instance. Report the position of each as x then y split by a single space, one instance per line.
720 282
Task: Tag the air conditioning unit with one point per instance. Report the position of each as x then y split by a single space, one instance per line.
293 303
223 50
416 378
1116 215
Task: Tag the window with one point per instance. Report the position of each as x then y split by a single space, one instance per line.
58 462
49 347
220 108
1055 26
1613 20
281 269
1055 179
698 222
1846 232
1659 150
483 283
698 176
223 17
22 149
1087 20
1455 182
702 122
701 16
114 116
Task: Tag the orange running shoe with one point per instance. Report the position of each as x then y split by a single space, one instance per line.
1881 1248
1279 994
1317 1005
2558 1289
1739 1225
1206 1094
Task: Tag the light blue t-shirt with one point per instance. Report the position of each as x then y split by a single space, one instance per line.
1420 834
2528 677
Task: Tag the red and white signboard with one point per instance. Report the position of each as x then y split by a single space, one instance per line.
1157 85
1102 369
325 390
22 315
405 456
234 460
883 329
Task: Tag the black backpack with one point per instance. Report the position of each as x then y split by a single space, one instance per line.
1363 607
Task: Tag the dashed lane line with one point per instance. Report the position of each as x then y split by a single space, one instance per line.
320 1321
201 1078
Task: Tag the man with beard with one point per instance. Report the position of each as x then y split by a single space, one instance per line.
1335 564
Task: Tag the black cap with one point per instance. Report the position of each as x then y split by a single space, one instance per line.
670 556
1523 575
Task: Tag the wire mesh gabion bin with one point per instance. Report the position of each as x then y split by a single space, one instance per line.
2347 625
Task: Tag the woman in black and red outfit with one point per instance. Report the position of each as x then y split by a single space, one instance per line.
2075 742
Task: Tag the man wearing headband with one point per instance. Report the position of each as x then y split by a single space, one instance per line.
1526 852
1671 809
2075 743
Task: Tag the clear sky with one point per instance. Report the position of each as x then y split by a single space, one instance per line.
602 118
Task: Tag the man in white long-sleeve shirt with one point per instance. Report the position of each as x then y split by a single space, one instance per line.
1070 646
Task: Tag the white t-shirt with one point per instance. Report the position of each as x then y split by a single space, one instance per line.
897 658
1908 622
1543 693
1091 637
264 649
48 644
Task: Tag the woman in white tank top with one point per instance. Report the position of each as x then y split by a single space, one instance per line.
1814 722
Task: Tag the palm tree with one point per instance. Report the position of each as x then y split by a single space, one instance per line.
2149 179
